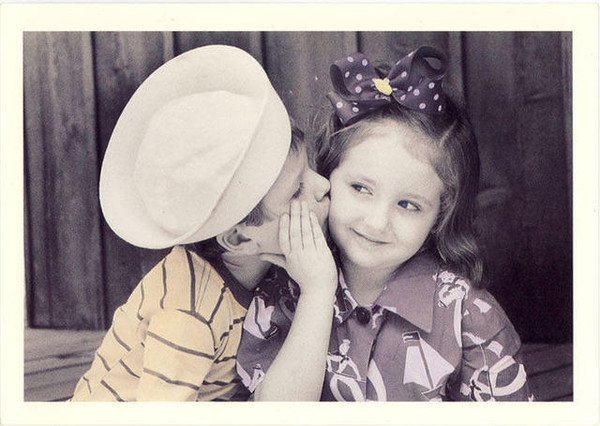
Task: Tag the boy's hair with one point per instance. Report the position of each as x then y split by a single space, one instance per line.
257 215
455 160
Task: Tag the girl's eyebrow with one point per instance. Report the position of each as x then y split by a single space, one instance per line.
362 178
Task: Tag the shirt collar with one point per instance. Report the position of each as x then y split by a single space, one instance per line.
344 304
242 295
410 294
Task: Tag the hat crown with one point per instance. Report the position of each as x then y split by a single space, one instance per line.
186 157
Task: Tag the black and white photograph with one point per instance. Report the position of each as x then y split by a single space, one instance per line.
285 213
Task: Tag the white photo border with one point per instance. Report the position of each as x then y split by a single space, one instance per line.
580 19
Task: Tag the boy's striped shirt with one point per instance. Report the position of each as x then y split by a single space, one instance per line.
175 339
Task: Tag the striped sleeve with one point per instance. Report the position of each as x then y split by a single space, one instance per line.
180 343
179 353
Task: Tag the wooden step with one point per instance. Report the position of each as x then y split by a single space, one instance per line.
56 359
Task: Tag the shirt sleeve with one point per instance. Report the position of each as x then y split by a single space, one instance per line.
491 368
179 351
265 329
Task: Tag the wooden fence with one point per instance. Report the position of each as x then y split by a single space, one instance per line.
517 87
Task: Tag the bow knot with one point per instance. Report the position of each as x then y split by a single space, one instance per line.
412 82
383 86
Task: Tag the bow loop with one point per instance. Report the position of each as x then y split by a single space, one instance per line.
414 67
413 82
352 75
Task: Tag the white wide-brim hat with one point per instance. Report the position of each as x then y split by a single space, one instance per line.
197 147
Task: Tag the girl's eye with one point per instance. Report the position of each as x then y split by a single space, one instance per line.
360 188
405 204
298 191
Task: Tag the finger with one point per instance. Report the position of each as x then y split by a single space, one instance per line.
275 259
295 227
284 234
307 232
318 236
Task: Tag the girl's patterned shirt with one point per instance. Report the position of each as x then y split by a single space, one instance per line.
175 339
429 336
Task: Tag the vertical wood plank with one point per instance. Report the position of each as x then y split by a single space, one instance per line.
455 75
35 54
62 157
168 45
546 219
249 41
123 61
567 84
489 84
298 65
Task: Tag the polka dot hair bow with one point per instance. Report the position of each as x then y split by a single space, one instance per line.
412 82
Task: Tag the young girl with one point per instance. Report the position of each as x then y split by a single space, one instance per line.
410 321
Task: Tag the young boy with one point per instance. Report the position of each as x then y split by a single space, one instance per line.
200 159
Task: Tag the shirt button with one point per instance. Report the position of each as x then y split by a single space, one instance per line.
363 315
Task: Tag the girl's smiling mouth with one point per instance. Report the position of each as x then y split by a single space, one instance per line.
369 238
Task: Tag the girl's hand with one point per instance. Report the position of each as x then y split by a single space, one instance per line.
302 358
306 256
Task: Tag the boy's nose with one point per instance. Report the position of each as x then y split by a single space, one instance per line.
321 185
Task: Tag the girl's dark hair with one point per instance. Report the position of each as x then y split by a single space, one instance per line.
456 162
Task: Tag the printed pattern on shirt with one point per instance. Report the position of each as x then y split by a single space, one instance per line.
430 336
175 339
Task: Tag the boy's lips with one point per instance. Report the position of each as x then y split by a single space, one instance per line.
368 238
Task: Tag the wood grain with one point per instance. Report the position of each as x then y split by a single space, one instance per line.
35 55
249 41
490 96
65 221
299 70
56 359
541 137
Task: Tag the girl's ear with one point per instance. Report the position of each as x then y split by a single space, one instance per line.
236 241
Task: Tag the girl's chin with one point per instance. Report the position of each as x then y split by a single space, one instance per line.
363 260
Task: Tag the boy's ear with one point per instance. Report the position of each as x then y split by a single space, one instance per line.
237 241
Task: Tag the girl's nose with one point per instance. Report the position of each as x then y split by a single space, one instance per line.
377 217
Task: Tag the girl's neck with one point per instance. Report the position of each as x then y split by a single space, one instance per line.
365 284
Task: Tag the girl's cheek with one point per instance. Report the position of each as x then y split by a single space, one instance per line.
340 200
334 195
338 208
